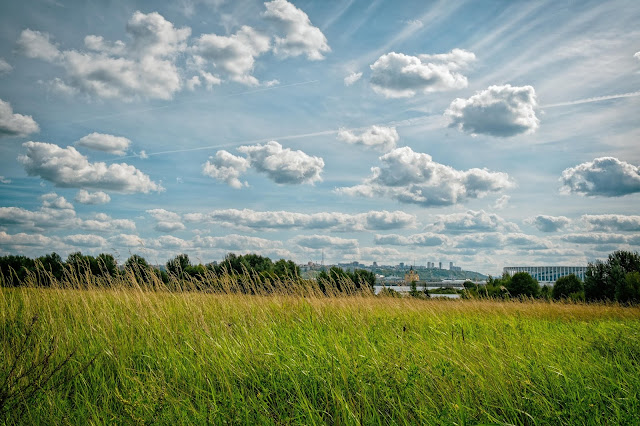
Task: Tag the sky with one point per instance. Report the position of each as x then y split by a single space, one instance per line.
484 133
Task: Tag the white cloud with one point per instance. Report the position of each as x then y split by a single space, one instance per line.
234 55
128 240
55 211
102 222
16 241
301 38
272 220
166 221
145 67
472 221
546 223
283 165
37 45
226 167
494 240
604 176
427 239
396 75
380 138
193 82
597 238
324 241
107 143
612 222
501 111
412 177
501 202
67 168
15 124
352 78
5 67
236 242
85 197
85 240
637 55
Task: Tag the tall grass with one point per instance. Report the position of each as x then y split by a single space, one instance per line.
140 354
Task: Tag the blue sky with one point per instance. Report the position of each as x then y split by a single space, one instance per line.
486 133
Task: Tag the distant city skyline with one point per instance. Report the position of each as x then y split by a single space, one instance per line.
485 133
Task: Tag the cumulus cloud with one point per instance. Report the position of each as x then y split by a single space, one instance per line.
380 138
236 242
67 168
102 222
546 223
37 45
604 176
472 221
352 78
85 240
234 56
396 75
107 143
15 124
501 202
501 111
19 240
85 197
145 67
166 221
301 37
226 167
56 212
496 240
637 55
283 165
324 241
599 238
427 239
412 177
274 220
612 222
5 67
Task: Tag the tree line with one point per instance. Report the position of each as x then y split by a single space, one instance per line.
249 273
615 279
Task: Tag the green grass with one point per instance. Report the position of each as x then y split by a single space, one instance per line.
174 358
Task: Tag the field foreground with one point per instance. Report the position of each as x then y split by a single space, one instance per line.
99 356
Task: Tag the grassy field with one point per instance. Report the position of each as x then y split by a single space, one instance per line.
132 356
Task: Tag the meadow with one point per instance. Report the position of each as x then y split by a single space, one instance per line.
137 356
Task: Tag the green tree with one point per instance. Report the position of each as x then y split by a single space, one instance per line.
14 269
53 264
629 290
607 280
178 265
523 284
107 264
568 286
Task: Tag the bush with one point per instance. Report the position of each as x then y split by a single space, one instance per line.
568 286
523 284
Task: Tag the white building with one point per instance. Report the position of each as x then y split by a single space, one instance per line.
547 274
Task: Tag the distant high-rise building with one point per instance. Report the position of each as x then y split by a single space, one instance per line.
375 264
439 265
401 265
451 266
